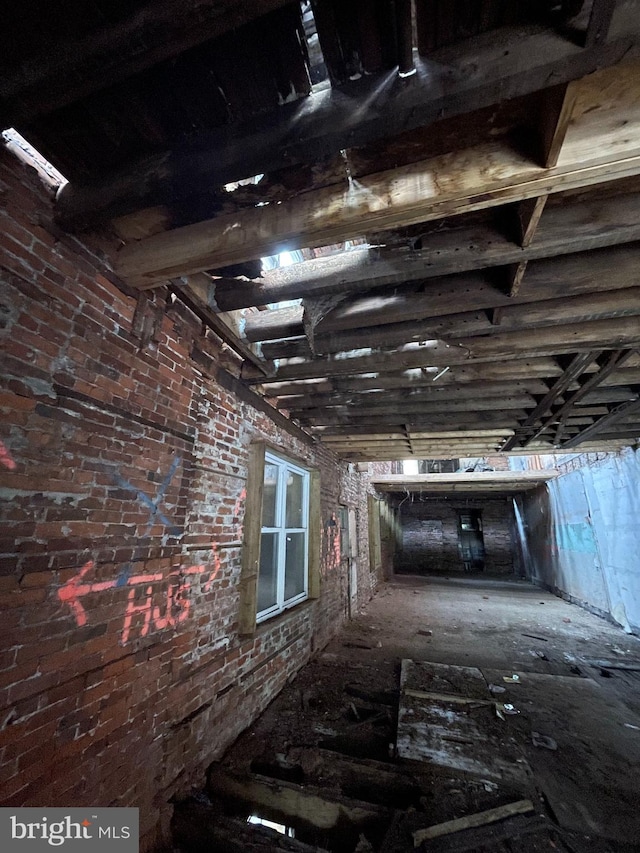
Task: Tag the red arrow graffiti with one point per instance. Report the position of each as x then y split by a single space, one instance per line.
76 588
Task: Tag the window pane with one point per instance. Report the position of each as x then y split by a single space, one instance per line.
268 577
294 569
295 495
269 495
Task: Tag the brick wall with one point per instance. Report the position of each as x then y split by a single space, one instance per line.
122 474
429 540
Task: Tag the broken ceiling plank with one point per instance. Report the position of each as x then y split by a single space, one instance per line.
489 71
616 414
487 175
563 230
84 64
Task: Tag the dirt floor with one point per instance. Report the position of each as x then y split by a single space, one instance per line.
406 722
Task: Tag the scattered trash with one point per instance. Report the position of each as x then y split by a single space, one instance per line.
536 653
569 658
543 741
426 633
631 726
564 619
499 713
490 787
495 688
508 708
379 645
534 637
512 679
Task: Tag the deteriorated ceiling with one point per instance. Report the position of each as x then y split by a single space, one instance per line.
460 180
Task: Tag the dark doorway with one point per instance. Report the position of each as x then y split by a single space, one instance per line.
470 540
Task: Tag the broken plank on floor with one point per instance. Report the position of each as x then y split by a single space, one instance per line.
446 731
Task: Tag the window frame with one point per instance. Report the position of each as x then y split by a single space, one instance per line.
252 534
280 529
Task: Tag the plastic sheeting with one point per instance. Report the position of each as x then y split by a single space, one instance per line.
581 535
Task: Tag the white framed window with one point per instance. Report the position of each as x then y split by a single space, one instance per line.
283 575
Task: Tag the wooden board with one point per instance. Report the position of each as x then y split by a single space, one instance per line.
468 738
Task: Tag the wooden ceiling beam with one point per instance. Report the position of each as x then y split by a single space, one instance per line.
401 410
486 175
541 367
604 270
565 229
469 391
549 340
489 175
572 309
414 420
522 60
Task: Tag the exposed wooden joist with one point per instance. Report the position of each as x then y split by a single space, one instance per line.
564 229
402 410
572 309
515 368
488 175
469 391
550 340
573 275
490 70
81 65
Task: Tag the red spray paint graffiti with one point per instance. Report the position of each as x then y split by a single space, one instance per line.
5 458
176 606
